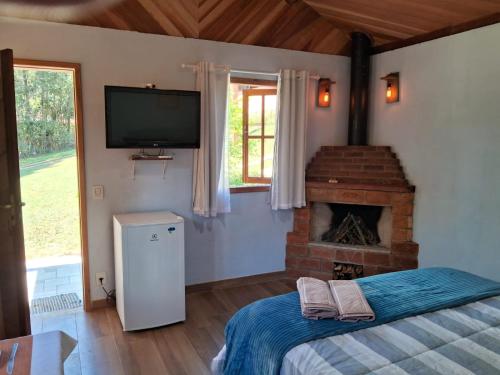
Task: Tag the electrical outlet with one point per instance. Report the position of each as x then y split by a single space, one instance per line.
98 276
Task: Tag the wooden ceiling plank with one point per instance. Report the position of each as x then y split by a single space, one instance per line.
264 23
385 22
205 7
296 18
300 40
116 20
377 41
225 22
422 15
248 19
447 31
349 27
462 10
192 6
236 21
127 15
180 16
134 14
160 17
376 30
330 40
211 11
410 13
430 15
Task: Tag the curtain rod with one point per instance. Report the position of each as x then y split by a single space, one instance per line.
242 71
276 74
193 67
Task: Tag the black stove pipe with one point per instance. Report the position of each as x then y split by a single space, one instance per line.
360 79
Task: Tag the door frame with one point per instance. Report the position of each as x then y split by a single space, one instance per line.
80 157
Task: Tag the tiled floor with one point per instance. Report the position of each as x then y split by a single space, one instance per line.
54 276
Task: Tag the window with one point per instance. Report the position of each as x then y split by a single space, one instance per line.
252 125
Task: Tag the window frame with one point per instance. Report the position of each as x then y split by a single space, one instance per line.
267 83
260 92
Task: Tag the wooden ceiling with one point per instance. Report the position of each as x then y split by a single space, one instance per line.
321 26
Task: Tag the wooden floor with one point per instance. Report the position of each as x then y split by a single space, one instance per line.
184 348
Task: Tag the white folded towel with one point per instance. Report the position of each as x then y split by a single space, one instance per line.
316 300
339 299
350 300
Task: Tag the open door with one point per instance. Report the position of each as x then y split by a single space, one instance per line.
14 306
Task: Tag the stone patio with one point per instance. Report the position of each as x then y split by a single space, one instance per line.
53 276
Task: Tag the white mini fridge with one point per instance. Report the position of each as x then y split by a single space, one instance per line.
149 269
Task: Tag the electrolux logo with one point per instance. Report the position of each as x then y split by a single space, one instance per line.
154 237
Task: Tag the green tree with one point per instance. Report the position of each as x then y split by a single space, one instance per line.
45 111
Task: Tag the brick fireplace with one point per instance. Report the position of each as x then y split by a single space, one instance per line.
359 214
338 180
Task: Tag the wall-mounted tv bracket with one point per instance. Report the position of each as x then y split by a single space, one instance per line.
142 156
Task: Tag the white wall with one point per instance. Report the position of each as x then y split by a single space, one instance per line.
446 131
250 240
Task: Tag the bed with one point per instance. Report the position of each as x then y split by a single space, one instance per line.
429 321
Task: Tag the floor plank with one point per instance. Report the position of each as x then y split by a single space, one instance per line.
100 356
180 349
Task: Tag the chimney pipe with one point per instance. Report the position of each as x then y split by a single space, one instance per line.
360 78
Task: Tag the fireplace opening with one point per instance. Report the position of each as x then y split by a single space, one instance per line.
351 224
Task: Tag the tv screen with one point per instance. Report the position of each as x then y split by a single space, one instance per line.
152 118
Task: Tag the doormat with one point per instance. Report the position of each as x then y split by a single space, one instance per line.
55 303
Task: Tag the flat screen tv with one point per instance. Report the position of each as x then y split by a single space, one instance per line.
152 118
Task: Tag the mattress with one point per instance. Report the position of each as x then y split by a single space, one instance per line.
459 340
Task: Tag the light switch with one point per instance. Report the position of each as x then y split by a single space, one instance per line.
98 192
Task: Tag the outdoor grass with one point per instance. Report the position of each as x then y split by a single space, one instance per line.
25 162
51 214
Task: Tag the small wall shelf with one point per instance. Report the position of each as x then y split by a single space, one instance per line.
151 157
146 157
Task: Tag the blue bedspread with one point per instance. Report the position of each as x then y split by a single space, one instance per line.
260 334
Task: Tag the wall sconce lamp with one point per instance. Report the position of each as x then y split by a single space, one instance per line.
392 87
324 92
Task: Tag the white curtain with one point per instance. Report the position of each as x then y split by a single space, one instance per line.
288 182
210 176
